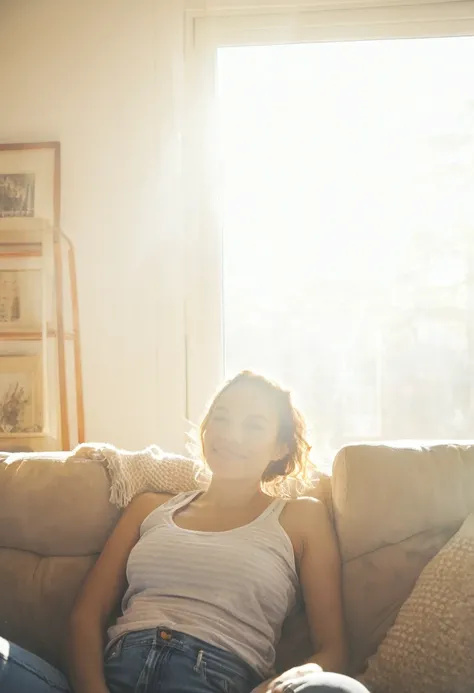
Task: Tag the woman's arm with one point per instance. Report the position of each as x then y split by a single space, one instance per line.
100 594
319 566
320 578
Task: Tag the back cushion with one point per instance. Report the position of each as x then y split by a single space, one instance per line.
394 508
54 506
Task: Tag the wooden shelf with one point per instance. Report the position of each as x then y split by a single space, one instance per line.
30 336
36 241
23 253
15 436
9 249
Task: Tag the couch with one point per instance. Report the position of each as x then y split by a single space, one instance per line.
393 507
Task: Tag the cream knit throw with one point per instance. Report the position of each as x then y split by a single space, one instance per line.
151 469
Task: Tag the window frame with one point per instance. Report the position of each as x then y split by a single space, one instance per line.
208 31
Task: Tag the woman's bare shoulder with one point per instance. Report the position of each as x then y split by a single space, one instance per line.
144 503
305 519
306 507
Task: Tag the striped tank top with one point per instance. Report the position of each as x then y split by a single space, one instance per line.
232 589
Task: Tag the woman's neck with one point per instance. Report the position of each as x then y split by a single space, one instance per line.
227 493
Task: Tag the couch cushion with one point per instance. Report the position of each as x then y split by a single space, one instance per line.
54 519
431 646
53 505
36 598
394 507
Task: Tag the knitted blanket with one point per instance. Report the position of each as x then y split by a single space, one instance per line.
150 469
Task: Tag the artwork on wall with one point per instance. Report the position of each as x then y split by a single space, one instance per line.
17 195
21 405
29 182
20 299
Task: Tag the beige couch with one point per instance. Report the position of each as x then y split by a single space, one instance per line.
394 508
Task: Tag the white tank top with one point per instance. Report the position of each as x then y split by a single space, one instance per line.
231 589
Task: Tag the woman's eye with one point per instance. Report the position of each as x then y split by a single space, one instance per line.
219 418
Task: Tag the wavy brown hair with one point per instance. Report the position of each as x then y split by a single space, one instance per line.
296 465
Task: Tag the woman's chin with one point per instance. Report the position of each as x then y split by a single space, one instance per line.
222 470
223 461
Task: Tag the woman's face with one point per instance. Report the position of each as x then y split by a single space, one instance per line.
241 437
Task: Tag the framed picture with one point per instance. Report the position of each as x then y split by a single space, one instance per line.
21 404
20 300
29 182
17 194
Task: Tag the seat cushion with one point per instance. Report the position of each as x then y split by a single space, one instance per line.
36 597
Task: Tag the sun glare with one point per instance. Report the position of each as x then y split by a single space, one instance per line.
347 202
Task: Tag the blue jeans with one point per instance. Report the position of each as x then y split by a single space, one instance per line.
153 660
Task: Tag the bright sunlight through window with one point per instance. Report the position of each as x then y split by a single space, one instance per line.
348 200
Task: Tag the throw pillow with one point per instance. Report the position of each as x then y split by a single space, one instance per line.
430 647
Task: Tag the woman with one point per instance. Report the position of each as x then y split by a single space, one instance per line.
209 577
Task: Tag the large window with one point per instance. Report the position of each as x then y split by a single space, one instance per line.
346 192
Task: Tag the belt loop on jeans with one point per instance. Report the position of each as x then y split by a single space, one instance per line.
198 665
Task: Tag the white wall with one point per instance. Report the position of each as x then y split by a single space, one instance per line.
104 77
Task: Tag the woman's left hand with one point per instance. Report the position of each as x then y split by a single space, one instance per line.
290 680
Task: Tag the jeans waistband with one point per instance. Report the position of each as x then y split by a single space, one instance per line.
189 645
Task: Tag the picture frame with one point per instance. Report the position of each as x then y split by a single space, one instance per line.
29 183
21 401
21 299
